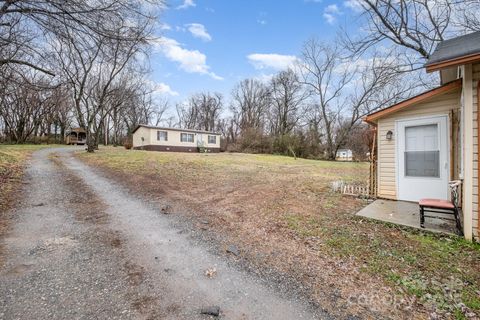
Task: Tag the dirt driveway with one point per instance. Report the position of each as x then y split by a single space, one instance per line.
82 247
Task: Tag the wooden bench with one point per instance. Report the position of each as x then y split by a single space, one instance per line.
442 206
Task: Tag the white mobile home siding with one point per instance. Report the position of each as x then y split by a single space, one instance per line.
137 137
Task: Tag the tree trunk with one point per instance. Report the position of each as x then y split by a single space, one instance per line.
90 142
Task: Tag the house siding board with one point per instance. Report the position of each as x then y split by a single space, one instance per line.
475 215
440 105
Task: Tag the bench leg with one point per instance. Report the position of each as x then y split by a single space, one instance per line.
422 217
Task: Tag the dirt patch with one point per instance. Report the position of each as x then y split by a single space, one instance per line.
135 273
116 242
90 208
20 269
143 303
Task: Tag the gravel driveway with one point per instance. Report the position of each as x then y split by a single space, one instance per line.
82 247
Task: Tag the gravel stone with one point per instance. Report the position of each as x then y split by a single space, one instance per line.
211 311
233 250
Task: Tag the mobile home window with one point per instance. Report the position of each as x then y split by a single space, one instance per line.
212 139
162 135
186 137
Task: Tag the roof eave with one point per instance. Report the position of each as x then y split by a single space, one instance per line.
373 117
136 128
175 129
366 119
439 65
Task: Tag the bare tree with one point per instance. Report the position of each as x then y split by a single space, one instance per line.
320 68
26 106
415 27
24 24
115 58
251 99
468 18
94 68
201 112
287 98
62 113
87 47
313 129
142 105
346 90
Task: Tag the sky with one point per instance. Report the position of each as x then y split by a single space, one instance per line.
210 45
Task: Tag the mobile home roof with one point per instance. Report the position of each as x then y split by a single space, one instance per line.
173 129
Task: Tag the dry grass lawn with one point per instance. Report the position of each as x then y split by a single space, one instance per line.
284 217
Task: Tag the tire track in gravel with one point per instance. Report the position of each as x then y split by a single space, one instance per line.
83 247
63 261
136 283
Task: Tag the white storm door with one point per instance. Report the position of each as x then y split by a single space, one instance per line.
422 154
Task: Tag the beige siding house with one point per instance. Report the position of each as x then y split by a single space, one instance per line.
176 140
426 141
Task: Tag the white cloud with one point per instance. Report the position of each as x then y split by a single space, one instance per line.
330 13
164 89
191 61
262 22
271 61
199 31
330 18
355 5
187 4
165 26
332 8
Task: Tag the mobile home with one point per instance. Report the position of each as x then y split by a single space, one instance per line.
176 140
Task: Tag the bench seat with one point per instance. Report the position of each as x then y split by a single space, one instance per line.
436 203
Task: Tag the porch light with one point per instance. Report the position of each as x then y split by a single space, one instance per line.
389 135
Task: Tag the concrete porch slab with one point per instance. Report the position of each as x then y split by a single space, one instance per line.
406 214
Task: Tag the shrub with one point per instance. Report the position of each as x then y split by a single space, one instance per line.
128 144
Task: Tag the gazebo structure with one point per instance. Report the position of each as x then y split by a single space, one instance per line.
76 136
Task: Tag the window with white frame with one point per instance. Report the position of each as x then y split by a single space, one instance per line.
186 137
212 139
422 153
162 135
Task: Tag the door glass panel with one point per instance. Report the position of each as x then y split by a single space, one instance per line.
422 155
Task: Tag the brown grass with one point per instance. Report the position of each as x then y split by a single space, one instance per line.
283 216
